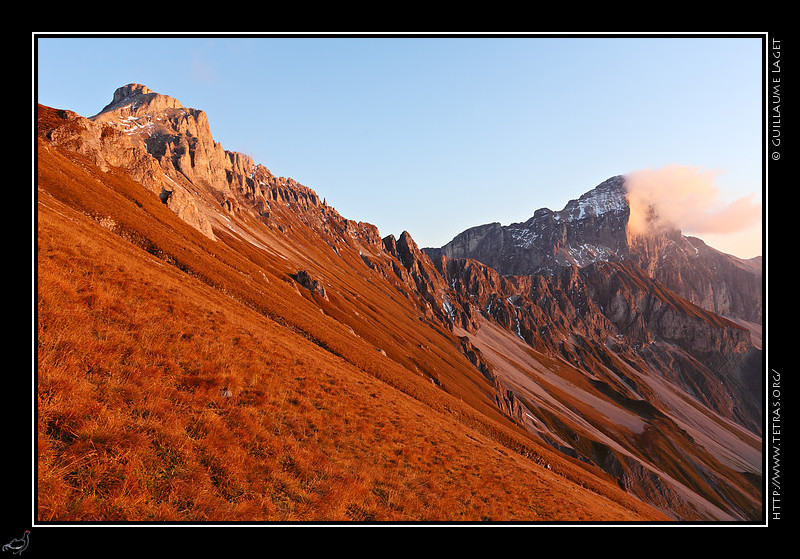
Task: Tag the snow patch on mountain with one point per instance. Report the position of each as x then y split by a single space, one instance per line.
586 254
523 237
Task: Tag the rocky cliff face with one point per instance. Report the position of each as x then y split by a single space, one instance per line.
716 281
588 229
608 310
179 138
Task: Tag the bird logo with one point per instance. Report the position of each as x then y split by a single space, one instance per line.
18 545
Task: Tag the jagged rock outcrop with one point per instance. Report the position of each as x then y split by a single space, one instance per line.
416 269
312 284
593 315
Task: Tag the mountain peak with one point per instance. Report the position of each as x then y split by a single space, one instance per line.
589 228
595 228
130 90
608 196
134 96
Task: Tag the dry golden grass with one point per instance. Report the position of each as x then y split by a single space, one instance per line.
133 424
166 392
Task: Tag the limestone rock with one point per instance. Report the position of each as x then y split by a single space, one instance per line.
304 278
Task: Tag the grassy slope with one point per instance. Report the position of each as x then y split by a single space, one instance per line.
141 323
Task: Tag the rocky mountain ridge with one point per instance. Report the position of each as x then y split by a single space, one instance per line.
593 228
584 312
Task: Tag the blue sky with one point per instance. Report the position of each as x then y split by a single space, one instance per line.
437 134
